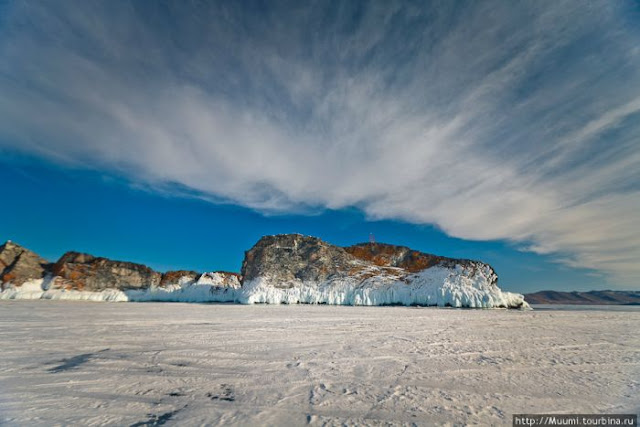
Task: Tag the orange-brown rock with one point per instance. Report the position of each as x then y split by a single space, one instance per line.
174 277
18 264
384 255
89 273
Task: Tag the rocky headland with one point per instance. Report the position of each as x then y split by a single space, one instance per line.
288 268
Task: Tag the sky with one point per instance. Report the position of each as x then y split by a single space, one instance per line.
177 133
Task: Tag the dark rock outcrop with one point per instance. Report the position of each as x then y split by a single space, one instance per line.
88 273
18 264
294 256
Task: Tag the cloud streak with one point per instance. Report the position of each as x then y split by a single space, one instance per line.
490 120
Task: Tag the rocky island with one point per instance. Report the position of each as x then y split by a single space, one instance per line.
280 269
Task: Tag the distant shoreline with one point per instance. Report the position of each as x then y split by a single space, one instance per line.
605 297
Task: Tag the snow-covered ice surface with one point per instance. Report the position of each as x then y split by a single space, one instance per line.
82 363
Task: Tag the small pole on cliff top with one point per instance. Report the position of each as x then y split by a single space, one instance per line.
372 238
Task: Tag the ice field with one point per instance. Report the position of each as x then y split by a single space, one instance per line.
84 363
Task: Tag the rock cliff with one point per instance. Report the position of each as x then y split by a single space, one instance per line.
86 272
293 268
294 257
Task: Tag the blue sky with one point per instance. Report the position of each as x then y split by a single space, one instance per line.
176 134
86 211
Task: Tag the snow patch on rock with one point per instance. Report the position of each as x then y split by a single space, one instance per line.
210 287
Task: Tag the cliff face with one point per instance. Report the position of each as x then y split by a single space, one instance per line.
18 264
293 268
293 257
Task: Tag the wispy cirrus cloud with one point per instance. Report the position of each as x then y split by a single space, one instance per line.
491 120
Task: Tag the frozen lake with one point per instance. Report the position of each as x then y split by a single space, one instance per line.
139 364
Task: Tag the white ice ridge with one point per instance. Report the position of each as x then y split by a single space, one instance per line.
436 286
210 287
470 287
41 289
